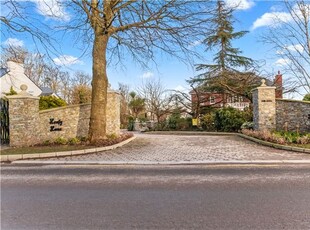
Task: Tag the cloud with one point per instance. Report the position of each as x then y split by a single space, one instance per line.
180 88
282 62
52 9
13 42
293 48
271 19
147 75
196 43
67 60
240 4
296 48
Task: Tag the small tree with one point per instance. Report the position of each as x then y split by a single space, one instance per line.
136 104
12 92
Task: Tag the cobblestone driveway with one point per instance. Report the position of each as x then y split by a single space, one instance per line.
189 148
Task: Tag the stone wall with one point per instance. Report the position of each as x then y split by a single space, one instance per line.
24 120
68 122
29 126
292 115
279 114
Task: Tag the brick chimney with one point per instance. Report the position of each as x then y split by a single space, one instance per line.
278 83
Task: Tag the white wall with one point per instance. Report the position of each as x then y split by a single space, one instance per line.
15 78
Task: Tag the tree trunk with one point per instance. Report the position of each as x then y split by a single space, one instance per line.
97 125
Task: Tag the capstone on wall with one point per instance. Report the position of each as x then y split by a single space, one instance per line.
293 115
29 126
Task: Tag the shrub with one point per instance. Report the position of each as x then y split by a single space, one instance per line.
303 140
12 92
306 97
207 122
229 119
48 102
130 125
247 125
279 137
74 141
61 141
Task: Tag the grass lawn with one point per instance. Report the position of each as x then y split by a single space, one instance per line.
44 149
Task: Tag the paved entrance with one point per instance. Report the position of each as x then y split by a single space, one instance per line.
175 148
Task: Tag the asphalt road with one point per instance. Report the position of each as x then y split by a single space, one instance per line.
178 197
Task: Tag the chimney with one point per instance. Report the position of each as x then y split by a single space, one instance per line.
278 84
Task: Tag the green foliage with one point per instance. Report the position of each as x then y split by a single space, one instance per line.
74 141
224 75
176 122
279 137
130 125
136 104
48 102
173 120
207 122
12 92
229 119
294 137
61 141
307 97
247 125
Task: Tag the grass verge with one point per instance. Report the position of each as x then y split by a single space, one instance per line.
64 147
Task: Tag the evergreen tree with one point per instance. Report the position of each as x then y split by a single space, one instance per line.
225 73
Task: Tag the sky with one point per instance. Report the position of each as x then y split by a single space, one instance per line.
250 15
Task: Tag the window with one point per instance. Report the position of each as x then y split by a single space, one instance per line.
212 100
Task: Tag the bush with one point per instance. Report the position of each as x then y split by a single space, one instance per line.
306 97
48 102
61 141
279 137
12 92
74 141
229 119
247 125
207 122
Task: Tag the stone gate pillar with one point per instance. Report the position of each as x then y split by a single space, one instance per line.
24 118
264 107
113 113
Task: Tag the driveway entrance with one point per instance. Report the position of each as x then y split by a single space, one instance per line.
173 148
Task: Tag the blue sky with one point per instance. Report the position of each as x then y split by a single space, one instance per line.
253 16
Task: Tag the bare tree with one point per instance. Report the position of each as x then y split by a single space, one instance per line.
139 28
125 99
17 54
40 69
291 42
80 88
190 102
157 98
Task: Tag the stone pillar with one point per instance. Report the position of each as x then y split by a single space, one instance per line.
113 113
24 119
264 107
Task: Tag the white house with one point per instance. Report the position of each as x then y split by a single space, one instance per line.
14 76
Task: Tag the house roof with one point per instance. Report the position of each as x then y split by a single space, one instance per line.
46 91
3 71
